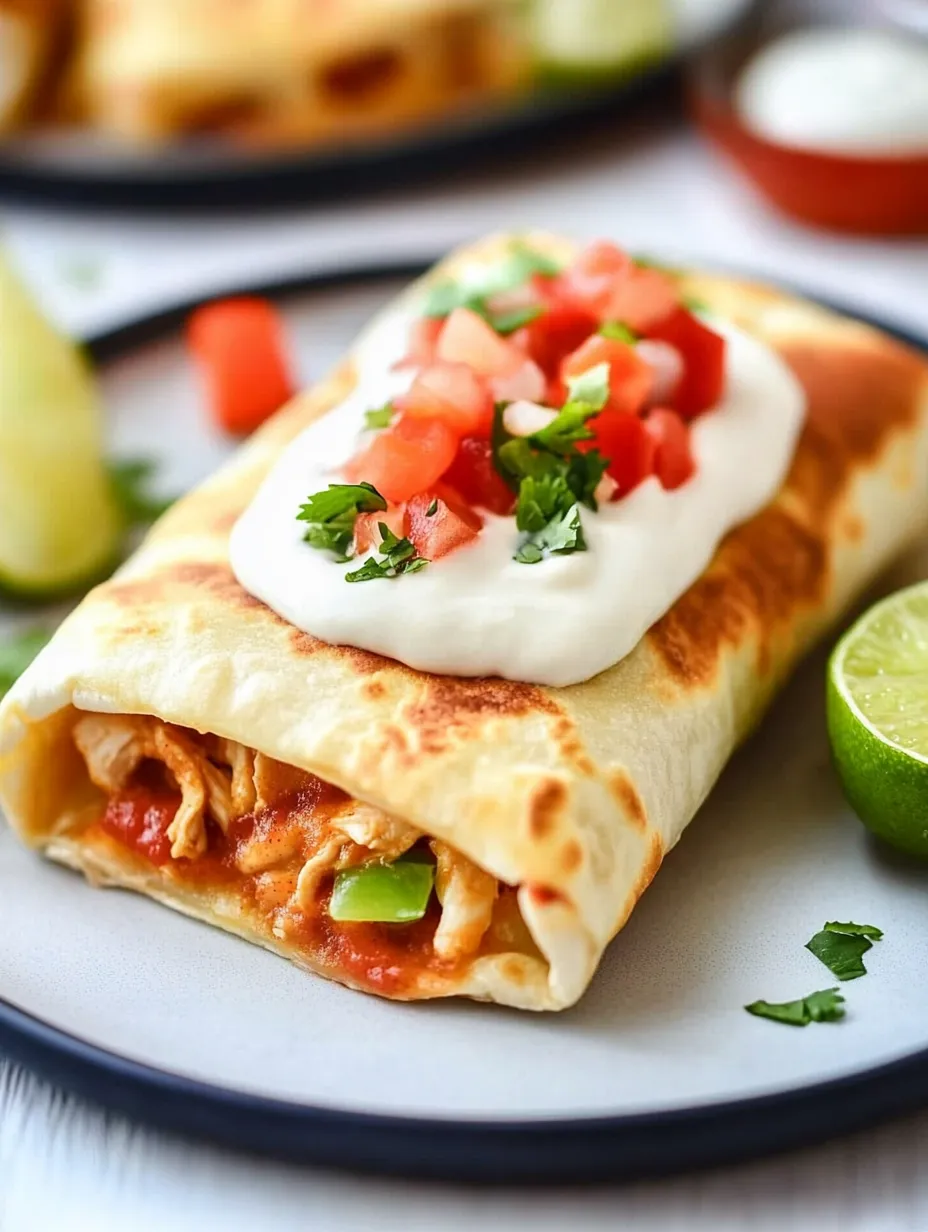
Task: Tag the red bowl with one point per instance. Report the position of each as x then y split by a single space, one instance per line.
864 194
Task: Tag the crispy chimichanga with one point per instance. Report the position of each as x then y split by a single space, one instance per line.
577 476
278 70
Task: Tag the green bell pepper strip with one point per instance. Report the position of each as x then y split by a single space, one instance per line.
377 893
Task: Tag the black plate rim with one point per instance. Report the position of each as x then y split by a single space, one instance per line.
542 1151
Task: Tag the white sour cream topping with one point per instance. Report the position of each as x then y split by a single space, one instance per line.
477 612
845 91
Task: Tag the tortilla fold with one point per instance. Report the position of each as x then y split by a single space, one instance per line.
572 795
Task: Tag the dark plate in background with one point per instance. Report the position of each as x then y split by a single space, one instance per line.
81 170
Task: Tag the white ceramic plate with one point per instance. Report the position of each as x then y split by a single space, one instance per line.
658 1068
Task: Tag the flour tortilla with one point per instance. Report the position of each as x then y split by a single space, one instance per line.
574 795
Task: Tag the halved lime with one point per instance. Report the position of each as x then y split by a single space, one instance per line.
587 40
877 708
59 524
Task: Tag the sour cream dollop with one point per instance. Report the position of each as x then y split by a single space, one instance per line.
478 612
842 91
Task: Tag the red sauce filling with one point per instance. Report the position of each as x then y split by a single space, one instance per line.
139 818
383 957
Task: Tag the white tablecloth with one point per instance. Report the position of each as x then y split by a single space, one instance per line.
64 1165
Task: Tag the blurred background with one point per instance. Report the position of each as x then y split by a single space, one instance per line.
155 154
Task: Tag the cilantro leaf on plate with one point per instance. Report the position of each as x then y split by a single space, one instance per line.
827 1005
855 930
841 948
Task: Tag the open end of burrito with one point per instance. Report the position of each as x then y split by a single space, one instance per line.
216 826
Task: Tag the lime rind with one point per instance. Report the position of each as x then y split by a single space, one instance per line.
877 718
887 649
59 522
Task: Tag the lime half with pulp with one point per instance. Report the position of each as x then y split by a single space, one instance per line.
59 525
877 707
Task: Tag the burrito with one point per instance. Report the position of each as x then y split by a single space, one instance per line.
284 70
420 688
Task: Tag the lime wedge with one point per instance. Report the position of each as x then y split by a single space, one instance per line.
588 40
59 526
877 708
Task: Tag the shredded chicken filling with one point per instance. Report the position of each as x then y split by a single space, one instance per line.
221 780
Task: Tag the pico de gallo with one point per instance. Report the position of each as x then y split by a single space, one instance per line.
536 390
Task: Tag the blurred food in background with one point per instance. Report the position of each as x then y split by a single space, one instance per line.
29 32
271 73
829 120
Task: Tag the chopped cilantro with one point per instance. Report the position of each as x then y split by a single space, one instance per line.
590 387
584 471
562 535
447 295
549 484
382 417
826 1005
562 433
17 652
693 303
618 331
646 262
515 268
432 509
515 318
397 556
541 498
331 515
841 948
129 480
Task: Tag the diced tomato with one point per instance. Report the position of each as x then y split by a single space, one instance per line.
453 393
641 298
406 458
239 344
588 283
673 461
703 352
552 336
602 257
628 445
630 378
527 381
139 818
450 526
474 476
367 527
423 338
467 339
